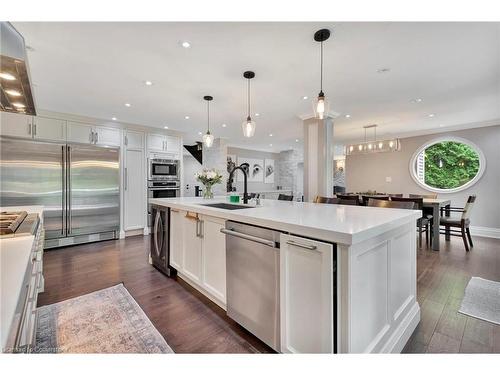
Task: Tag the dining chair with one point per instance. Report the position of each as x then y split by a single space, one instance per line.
390 204
396 195
328 200
284 197
424 224
348 202
427 196
349 197
365 198
462 222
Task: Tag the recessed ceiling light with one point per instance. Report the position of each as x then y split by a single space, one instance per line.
347 116
199 133
270 134
186 117
13 92
383 70
441 125
148 83
417 100
165 127
186 44
257 114
305 97
113 118
127 104
7 76
296 140
270 144
431 115
224 125
18 105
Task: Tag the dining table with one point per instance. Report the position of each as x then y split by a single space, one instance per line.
436 204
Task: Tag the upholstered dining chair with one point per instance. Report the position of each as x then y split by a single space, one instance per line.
350 197
328 200
390 204
462 222
284 197
365 198
423 223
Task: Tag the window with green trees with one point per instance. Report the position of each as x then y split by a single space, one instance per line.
447 165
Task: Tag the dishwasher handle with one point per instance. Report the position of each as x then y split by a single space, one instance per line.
248 237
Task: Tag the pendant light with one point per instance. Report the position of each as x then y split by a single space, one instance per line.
208 138
375 146
248 126
321 105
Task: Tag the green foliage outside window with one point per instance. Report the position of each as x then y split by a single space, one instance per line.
450 164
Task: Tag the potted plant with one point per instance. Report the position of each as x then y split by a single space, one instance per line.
209 177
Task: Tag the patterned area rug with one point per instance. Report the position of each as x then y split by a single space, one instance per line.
106 321
482 300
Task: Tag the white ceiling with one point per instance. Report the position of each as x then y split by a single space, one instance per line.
93 69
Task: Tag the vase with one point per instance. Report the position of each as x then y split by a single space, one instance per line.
208 193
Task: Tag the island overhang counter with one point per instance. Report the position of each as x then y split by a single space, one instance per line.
363 302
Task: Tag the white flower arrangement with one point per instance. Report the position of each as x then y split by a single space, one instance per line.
209 177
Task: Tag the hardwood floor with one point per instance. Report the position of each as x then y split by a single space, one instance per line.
192 324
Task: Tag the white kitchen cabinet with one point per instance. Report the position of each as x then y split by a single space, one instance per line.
214 257
134 140
79 132
107 136
86 133
192 247
50 129
172 144
176 239
156 142
15 125
133 187
306 295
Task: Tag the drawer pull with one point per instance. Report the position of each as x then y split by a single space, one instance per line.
308 247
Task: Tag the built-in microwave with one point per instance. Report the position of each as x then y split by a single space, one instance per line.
163 169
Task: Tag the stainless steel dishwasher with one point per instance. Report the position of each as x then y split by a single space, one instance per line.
252 279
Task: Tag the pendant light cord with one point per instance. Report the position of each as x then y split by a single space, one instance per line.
321 69
248 97
208 115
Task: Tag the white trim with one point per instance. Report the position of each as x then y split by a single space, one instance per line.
482 164
485 232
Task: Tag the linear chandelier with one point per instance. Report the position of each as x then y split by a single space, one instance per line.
375 146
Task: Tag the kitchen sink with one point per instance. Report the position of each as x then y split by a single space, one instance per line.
226 206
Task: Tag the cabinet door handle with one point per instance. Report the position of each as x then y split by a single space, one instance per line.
126 179
308 247
91 137
29 128
96 137
34 130
126 141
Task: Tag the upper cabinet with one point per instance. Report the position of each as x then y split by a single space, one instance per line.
33 127
46 128
85 133
164 143
133 140
16 125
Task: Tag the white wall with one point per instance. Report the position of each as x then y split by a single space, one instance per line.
369 172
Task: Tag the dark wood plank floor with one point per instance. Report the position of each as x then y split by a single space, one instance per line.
192 324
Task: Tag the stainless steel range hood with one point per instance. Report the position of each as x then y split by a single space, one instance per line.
15 89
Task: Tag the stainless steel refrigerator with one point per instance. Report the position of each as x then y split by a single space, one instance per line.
79 186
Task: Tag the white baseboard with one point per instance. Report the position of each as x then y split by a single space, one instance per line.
402 334
485 232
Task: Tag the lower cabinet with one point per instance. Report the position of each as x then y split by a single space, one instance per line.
198 252
306 295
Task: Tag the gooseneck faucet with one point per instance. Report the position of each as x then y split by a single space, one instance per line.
245 179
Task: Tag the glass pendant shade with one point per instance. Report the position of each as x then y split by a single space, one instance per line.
321 106
248 127
208 139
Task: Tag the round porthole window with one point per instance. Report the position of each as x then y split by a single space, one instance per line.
447 165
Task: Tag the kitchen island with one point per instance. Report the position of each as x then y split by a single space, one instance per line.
347 274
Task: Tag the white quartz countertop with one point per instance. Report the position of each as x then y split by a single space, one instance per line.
329 222
14 259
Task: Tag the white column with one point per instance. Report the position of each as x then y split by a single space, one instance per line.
318 158
216 157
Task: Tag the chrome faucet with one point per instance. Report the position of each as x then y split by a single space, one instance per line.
245 179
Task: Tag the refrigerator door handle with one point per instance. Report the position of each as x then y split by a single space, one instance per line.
68 186
63 190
